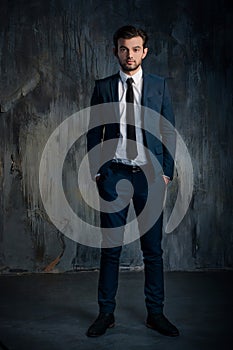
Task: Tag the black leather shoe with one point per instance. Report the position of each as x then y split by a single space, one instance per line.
101 324
161 324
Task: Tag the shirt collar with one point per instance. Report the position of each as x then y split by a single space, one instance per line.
136 77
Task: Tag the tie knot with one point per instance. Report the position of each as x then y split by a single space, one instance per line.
129 81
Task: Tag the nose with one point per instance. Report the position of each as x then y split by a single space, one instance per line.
130 54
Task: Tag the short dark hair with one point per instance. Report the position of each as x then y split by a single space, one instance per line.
129 32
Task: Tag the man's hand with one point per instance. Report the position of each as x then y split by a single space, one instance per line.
97 177
166 179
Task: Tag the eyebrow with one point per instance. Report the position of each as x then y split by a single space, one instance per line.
135 47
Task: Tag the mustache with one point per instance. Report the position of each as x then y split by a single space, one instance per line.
128 68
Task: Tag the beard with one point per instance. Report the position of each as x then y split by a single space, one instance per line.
129 68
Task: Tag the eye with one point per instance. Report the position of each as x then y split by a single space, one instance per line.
122 49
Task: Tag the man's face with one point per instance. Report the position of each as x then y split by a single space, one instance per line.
130 54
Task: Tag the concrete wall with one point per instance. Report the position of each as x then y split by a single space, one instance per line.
50 54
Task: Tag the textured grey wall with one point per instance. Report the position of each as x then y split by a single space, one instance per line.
50 54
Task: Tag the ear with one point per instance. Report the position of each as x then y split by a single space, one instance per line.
114 51
145 51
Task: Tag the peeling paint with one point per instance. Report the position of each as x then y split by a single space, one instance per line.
50 55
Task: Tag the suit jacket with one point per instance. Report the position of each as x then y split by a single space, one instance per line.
155 97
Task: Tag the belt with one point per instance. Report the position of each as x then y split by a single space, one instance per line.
122 166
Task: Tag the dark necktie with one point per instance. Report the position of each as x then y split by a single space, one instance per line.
131 148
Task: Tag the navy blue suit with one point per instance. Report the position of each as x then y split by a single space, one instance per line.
155 97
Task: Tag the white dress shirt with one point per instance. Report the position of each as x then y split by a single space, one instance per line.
137 90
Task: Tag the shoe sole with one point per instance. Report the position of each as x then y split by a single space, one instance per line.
154 329
98 335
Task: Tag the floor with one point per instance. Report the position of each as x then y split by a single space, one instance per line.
53 311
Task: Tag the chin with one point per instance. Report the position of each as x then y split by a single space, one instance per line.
129 68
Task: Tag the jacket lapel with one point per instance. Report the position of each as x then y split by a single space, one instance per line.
114 88
115 95
152 100
151 93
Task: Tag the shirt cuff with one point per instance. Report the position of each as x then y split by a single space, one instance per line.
168 177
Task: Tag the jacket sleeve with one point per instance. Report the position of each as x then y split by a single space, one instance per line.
168 133
95 132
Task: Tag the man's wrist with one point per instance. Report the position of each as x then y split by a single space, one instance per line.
97 176
166 179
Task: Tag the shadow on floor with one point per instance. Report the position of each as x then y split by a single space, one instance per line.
53 312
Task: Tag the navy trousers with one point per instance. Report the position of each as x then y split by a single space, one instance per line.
150 241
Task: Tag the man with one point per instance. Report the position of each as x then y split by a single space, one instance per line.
130 158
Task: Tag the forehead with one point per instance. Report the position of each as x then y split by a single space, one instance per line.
130 43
